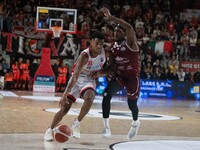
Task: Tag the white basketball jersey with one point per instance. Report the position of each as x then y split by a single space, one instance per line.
94 64
84 80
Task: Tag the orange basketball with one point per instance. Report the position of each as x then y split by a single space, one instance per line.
62 133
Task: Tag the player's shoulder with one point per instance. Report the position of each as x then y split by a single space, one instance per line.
85 50
84 55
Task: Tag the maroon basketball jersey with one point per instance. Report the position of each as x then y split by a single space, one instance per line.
126 60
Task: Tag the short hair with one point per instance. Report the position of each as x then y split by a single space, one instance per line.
98 35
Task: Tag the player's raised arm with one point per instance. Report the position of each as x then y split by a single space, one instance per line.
130 32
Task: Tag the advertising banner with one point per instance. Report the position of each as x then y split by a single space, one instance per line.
159 89
44 84
191 65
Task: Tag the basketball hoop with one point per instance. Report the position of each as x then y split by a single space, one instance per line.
56 31
49 17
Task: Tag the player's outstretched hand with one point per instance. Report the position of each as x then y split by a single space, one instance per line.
105 11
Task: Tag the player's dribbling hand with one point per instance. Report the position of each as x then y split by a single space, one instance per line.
105 11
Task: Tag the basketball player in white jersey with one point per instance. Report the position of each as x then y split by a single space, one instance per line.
81 84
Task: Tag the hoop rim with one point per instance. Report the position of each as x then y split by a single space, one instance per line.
49 30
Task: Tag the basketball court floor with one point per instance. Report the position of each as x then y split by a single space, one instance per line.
166 124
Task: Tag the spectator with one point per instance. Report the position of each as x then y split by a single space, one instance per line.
62 78
156 64
142 56
193 31
145 39
122 13
163 36
156 73
159 18
148 59
33 68
164 62
80 17
140 31
85 30
1 59
192 45
148 50
16 74
9 83
25 78
166 54
148 30
9 18
173 75
148 70
126 6
165 74
194 21
116 9
139 22
28 9
157 56
129 18
170 27
196 76
3 14
181 75
184 46
5 65
188 75
156 32
173 64
185 30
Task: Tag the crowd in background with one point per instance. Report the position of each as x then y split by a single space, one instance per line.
152 20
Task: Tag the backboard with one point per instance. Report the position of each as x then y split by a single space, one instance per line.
47 17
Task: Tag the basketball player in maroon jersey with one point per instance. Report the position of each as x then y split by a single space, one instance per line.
126 64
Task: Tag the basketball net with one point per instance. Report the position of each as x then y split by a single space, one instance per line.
56 31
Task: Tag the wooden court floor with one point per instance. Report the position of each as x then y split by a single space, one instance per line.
23 122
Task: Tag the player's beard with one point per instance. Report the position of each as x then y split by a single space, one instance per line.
119 40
